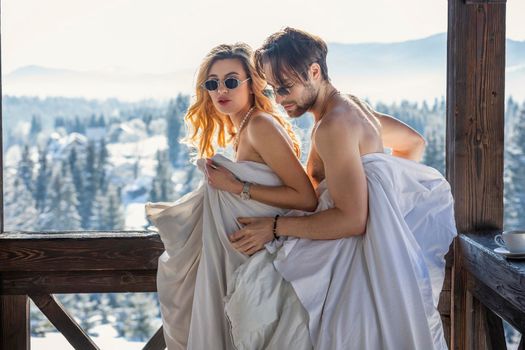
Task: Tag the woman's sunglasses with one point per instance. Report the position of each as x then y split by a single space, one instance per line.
230 83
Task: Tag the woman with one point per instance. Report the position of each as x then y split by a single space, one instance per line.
195 270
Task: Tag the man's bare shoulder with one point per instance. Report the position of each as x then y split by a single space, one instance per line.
339 124
345 115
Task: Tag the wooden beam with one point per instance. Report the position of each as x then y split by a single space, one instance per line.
64 323
14 322
475 113
77 251
505 276
475 139
112 281
481 2
156 342
14 310
500 306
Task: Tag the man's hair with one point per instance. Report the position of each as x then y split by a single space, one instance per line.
291 52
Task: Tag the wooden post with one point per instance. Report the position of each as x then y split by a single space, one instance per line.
14 310
475 140
14 322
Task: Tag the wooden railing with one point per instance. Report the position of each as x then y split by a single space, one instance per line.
494 288
37 266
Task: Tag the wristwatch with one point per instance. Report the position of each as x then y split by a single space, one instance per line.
245 194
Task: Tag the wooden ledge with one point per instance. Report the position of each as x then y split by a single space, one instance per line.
496 281
79 251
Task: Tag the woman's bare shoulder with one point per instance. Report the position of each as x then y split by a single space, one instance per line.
261 123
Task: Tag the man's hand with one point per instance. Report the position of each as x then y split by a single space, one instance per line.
252 237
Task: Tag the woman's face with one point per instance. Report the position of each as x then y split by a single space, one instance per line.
225 100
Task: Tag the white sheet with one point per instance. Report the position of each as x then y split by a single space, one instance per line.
376 291
199 261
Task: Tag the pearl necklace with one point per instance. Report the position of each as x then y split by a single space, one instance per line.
241 126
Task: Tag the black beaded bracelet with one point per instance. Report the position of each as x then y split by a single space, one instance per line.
275 227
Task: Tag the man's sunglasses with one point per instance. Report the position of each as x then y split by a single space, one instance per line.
230 83
282 90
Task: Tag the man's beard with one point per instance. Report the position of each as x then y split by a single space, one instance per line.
308 100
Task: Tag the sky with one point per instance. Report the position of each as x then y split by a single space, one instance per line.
158 36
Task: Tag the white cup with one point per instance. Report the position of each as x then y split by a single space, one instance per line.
513 241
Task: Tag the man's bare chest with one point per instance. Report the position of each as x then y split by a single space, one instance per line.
315 167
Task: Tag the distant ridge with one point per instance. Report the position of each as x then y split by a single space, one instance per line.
412 69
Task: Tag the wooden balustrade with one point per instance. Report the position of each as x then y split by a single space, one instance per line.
39 265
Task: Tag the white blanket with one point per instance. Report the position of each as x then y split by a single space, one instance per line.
376 291
199 261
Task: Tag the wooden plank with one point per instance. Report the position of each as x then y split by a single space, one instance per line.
475 125
156 342
14 322
496 334
82 251
444 303
506 277
488 328
64 323
475 113
54 235
446 320
112 281
482 2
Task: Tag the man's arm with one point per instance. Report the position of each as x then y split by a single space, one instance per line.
337 142
404 141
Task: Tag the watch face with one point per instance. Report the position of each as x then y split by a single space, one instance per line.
245 194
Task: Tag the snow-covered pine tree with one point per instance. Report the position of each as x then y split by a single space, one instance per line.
101 165
435 149
19 206
36 125
60 213
176 110
114 214
25 169
162 188
90 183
76 175
137 316
514 176
42 180
97 220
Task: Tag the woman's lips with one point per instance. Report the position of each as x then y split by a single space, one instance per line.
223 102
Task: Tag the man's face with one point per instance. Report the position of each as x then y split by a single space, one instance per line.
295 96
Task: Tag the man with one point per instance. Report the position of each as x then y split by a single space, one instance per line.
368 265
294 64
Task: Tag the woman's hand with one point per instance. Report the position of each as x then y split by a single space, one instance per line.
222 179
252 237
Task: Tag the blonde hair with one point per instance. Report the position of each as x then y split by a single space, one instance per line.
204 121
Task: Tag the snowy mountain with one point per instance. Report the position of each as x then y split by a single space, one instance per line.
412 70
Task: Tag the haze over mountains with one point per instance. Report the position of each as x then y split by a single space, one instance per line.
412 70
